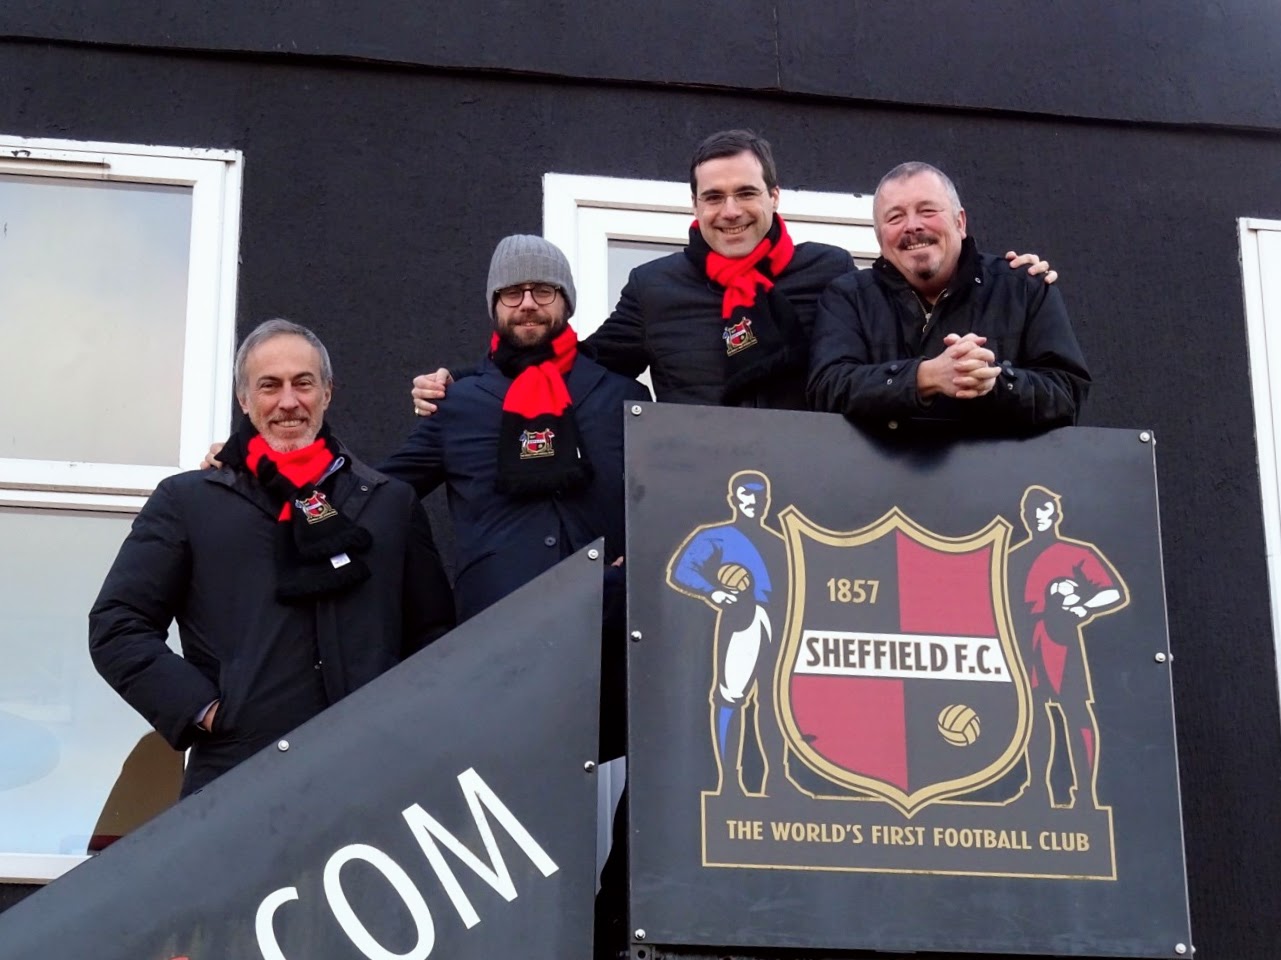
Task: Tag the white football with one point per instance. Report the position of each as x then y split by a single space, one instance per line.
1066 590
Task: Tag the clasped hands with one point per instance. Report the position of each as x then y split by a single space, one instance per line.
966 369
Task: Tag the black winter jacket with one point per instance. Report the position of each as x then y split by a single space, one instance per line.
202 551
871 334
668 318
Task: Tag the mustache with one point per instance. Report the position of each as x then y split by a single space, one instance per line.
908 239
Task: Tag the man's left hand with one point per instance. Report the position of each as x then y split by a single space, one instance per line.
1035 265
211 461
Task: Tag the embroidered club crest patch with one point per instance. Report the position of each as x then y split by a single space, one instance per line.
316 508
738 336
537 443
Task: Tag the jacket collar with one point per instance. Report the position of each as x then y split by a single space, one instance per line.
581 380
968 273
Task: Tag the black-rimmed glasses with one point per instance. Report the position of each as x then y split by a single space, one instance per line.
543 293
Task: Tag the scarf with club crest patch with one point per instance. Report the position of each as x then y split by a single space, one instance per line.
539 449
761 333
316 546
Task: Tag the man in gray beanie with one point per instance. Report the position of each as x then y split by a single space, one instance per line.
530 449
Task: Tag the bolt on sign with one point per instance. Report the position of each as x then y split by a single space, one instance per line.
921 679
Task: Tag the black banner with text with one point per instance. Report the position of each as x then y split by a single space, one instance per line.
446 809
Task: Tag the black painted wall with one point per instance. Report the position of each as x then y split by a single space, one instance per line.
374 193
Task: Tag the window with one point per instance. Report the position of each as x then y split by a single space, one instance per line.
608 226
117 309
1261 275
117 322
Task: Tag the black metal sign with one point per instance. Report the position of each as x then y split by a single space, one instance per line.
929 681
446 809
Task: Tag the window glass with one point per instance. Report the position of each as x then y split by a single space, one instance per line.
68 741
93 305
626 255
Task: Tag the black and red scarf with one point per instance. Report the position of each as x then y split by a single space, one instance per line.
539 449
317 548
761 334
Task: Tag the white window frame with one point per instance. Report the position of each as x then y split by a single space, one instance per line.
1260 249
581 214
214 177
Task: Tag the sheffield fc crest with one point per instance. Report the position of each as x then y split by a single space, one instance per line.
738 336
899 674
316 508
537 443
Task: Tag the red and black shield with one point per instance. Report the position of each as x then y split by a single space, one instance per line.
899 674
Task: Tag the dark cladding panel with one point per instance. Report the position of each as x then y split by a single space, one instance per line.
361 823
1196 63
898 697
722 42
1152 61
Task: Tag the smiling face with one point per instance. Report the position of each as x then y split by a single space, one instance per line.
284 395
920 230
530 324
733 206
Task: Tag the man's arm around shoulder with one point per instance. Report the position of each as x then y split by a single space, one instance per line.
619 343
420 461
129 622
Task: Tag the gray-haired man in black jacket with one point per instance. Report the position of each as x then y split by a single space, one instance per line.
938 335
295 572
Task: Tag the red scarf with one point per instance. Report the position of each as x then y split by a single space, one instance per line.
740 276
301 467
540 387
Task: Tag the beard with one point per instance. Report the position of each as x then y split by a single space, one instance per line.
529 338
928 270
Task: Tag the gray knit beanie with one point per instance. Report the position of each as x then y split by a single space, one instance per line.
522 258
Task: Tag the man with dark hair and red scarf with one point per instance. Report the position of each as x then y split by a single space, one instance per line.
727 321
295 572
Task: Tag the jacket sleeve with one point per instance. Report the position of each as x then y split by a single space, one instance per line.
428 604
843 379
129 623
1046 385
420 461
835 263
619 344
